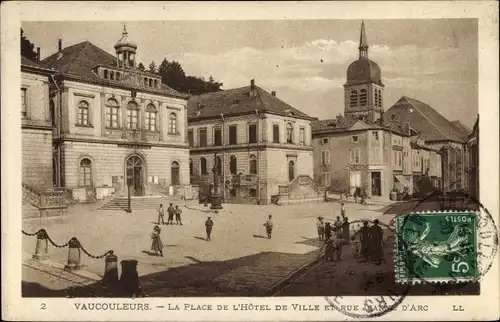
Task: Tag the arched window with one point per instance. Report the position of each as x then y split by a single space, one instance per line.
105 74
150 82
151 117
233 167
219 166
172 123
291 171
156 83
112 111
145 81
253 164
112 75
203 166
132 115
83 113
175 174
117 76
86 173
353 99
289 133
362 97
191 169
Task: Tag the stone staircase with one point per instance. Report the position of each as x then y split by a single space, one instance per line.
46 202
141 203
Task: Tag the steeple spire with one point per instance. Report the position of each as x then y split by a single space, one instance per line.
363 43
124 30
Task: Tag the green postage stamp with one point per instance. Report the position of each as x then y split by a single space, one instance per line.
436 247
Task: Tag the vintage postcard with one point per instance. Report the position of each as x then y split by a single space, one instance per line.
264 161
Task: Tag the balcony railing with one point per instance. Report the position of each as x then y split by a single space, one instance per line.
45 199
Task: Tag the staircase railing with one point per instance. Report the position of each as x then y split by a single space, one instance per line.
48 198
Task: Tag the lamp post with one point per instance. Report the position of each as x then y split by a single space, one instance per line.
129 183
216 198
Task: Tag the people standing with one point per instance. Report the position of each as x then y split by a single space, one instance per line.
337 224
376 241
170 212
338 244
161 215
157 245
269 226
342 210
364 239
321 228
178 213
208 227
345 230
328 231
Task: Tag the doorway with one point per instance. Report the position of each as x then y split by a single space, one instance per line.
135 175
376 184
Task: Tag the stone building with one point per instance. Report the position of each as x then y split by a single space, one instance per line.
473 145
263 146
116 126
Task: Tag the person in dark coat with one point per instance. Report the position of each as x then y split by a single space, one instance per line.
208 226
328 231
364 240
376 241
178 213
337 225
345 230
170 211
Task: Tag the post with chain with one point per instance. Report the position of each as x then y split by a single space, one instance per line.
41 249
110 278
73 255
129 278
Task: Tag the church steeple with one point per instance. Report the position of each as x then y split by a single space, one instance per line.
125 51
363 43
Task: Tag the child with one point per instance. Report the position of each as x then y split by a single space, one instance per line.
157 245
342 209
269 226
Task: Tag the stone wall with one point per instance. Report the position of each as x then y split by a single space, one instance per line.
37 157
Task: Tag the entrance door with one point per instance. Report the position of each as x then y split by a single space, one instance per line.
354 181
135 175
376 183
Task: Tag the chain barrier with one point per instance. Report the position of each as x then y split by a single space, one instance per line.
56 245
77 243
34 234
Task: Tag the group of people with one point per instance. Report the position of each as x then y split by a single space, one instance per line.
171 212
371 242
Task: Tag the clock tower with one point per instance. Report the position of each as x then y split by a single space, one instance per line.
364 90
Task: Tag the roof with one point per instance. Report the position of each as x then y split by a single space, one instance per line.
340 124
363 71
239 101
25 62
343 124
423 118
463 130
79 61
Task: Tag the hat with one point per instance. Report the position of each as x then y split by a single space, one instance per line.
209 217
320 217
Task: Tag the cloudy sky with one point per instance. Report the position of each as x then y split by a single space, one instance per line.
304 61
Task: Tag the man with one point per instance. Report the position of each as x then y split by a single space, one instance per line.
170 212
269 226
345 230
178 213
321 228
161 214
208 227
337 225
364 239
376 242
342 209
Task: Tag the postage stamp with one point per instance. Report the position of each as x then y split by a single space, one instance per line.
437 247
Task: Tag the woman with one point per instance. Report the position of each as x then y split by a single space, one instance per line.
157 245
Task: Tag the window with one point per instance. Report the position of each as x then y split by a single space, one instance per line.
24 102
355 155
291 170
203 166
362 97
233 139
112 75
378 98
105 74
112 109
354 138
191 138
276 133
233 167
353 99
202 137
400 159
117 76
393 117
253 164
217 136
302 136
375 135
175 175
325 157
252 133
172 123
394 157
191 168
132 115
86 173
326 179
83 113
150 117
289 133
324 141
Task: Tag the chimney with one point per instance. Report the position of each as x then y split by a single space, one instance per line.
37 54
273 93
252 84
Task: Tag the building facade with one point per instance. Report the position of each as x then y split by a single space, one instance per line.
473 145
117 127
259 146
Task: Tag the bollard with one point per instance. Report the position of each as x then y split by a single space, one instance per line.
111 270
41 249
73 255
129 279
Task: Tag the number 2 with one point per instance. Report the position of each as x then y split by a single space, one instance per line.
43 306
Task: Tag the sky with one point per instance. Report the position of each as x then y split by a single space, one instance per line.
304 61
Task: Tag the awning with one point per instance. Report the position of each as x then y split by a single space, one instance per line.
402 179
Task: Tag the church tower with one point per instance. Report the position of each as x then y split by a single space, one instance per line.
364 90
125 51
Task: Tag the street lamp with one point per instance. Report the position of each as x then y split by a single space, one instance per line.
216 198
129 183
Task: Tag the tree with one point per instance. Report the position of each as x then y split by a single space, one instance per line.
27 47
152 67
141 67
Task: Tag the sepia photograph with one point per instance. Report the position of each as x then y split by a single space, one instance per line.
238 164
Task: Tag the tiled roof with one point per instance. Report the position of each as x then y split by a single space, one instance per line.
426 120
463 130
25 62
79 60
333 125
239 101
